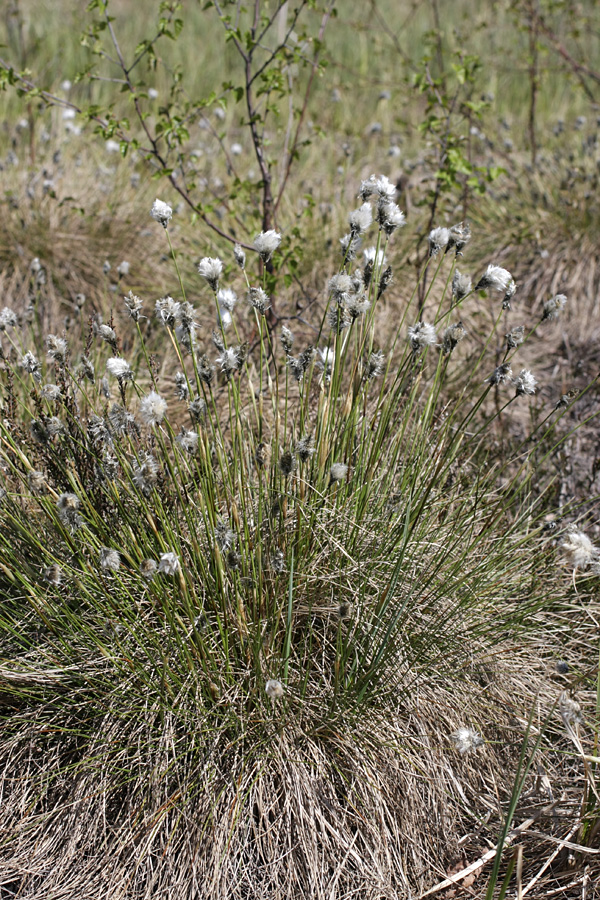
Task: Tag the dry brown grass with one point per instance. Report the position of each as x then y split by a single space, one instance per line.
270 805
382 810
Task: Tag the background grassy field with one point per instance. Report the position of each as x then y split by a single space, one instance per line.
435 585
363 107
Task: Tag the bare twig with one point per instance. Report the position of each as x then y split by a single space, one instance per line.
247 58
29 87
391 34
578 68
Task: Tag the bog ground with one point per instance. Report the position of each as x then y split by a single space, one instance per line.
300 548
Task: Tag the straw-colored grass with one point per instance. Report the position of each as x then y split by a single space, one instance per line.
404 573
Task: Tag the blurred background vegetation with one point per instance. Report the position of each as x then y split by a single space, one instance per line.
499 99
486 112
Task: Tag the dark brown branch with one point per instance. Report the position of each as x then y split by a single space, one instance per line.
256 140
154 143
281 46
29 87
386 28
579 68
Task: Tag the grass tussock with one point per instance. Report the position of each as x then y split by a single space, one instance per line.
271 810
266 604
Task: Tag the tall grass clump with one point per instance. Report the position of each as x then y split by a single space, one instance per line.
267 592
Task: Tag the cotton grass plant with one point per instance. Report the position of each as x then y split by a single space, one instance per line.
255 580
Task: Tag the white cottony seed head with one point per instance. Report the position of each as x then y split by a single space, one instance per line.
110 559
360 219
389 216
327 355
57 348
227 299
167 310
211 269
350 245
298 365
153 409
107 334
384 188
374 365
438 240
258 299
224 318
570 710
466 739
186 316
515 337
31 365
228 360
451 336
68 501
188 441
356 304
169 564
495 278
197 410
421 336
182 391
579 548
134 305
145 474
304 448
274 689
51 392
224 536
53 574
510 292
148 568
36 481
326 361
338 319
377 257
459 236
161 212
67 505
378 185
266 243
553 307
339 285
461 285
8 319
119 368
287 339
501 374
525 382
338 472
239 256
